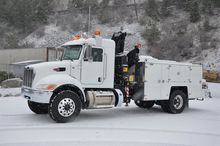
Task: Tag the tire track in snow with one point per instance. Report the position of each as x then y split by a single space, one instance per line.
69 127
92 143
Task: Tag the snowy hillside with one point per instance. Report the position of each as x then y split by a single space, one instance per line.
210 57
180 30
125 126
54 36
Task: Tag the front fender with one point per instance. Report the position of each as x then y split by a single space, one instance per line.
60 80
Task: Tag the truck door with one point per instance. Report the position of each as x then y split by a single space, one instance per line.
92 68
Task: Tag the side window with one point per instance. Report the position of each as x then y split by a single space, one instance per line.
97 54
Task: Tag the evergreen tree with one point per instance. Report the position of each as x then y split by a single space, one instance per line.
104 4
104 12
119 2
24 14
152 34
152 9
216 3
76 4
206 24
42 10
183 4
92 3
11 41
194 12
121 7
165 8
207 6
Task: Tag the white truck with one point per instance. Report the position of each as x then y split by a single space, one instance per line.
90 75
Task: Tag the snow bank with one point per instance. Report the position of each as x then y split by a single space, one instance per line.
214 89
8 92
12 83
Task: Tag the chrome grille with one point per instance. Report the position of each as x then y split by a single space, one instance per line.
28 77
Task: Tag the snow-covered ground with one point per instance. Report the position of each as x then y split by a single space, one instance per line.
197 126
8 92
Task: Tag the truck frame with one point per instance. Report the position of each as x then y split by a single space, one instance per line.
91 75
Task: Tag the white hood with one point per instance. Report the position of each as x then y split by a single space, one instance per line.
44 69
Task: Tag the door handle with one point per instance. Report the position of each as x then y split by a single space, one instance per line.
99 79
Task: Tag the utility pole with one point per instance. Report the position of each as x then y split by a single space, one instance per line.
89 19
136 11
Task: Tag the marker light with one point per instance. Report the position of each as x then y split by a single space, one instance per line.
76 37
51 86
46 86
97 33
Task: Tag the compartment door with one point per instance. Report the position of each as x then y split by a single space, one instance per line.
165 82
152 86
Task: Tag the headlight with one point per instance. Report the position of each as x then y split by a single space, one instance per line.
46 86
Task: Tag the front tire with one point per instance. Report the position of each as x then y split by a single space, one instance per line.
144 104
64 106
38 108
176 104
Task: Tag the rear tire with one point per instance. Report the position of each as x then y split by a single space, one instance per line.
165 106
38 108
176 104
64 106
144 104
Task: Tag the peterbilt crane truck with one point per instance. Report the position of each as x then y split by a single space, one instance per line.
91 75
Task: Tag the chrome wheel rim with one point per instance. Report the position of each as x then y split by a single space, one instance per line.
66 107
178 102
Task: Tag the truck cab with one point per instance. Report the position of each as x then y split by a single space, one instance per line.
86 69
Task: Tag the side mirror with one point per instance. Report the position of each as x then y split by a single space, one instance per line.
88 53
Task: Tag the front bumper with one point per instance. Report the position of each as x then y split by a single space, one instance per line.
36 95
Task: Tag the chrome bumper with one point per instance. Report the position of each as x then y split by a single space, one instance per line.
36 95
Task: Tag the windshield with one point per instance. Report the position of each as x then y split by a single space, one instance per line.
72 52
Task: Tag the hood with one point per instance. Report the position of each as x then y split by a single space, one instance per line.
44 69
50 66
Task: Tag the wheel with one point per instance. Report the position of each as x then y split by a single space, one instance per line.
64 106
165 106
176 103
144 104
38 108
